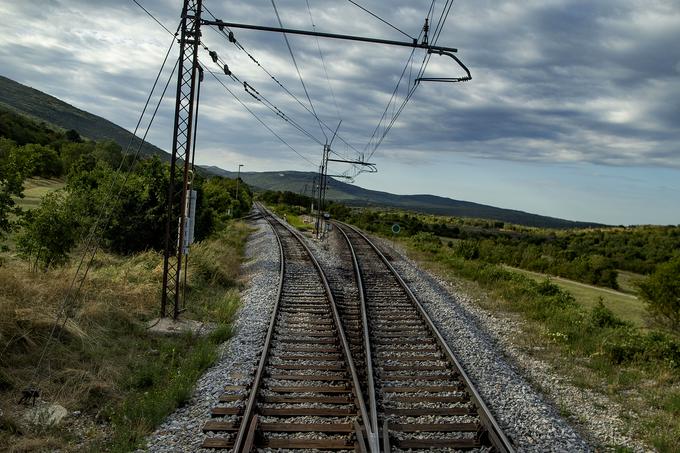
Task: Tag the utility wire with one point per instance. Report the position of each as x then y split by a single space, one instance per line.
380 19
93 241
255 115
435 37
323 62
255 94
152 16
297 68
240 46
230 92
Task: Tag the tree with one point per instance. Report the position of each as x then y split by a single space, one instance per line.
12 175
48 232
661 292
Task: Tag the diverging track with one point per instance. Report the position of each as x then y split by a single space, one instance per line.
306 392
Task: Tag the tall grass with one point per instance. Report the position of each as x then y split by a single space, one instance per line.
104 362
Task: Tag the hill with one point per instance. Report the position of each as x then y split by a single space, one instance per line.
43 107
353 195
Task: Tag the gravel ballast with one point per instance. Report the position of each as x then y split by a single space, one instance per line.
528 420
238 357
522 392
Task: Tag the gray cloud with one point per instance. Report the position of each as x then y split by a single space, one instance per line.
553 81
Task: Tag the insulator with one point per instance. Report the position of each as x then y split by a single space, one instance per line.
220 25
213 55
226 70
231 37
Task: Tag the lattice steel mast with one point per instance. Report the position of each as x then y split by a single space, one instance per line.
187 80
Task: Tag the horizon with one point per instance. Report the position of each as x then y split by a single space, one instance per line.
571 113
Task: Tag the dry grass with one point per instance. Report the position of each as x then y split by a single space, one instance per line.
93 360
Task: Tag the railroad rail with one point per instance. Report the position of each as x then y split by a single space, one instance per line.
423 397
306 392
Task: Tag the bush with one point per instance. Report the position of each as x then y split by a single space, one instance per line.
427 242
468 250
601 316
661 292
48 232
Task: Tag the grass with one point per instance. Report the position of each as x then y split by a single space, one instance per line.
104 362
35 189
586 343
292 217
625 306
628 281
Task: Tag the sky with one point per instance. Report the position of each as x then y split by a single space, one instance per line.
573 110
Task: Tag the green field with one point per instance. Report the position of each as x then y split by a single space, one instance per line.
626 306
627 281
35 189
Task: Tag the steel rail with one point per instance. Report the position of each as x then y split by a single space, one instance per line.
367 345
245 428
341 332
496 435
250 405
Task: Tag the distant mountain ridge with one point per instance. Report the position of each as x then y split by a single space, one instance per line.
301 182
36 104
42 106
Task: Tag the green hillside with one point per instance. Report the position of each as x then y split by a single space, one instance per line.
43 107
353 195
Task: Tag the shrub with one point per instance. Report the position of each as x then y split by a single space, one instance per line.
601 316
427 242
468 249
661 292
48 234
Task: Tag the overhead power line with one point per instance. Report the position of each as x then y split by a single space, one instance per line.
230 92
297 68
229 35
380 19
256 116
323 62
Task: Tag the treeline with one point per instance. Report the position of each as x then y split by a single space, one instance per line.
303 203
128 206
587 255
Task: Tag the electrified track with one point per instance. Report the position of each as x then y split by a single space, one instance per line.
423 399
306 392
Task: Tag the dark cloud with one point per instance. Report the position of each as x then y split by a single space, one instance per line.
554 81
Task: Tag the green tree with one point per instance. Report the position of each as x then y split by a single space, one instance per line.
48 232
661 292
12 174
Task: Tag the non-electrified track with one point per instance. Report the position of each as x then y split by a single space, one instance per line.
305 392
423 398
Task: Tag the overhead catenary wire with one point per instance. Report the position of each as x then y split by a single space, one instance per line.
231 38
435 37
297 68
255 94
234 95
256 116
323 62
381 19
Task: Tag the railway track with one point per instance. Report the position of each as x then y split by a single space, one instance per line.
306 392
422 397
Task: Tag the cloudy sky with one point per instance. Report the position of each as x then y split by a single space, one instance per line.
573 110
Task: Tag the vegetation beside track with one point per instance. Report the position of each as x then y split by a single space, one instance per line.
103 364
592 347
629 352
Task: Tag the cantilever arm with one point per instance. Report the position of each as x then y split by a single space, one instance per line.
447 79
